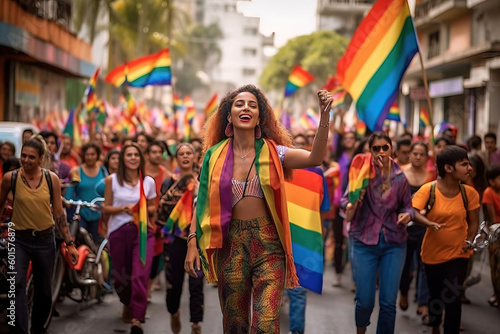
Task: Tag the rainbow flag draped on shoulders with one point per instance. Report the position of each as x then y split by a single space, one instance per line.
149 70
360 173
141 221
182 213
376 59
213 210
305 195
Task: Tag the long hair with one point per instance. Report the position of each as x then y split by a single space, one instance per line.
269 125
120 174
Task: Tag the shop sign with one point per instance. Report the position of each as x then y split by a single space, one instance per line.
446 87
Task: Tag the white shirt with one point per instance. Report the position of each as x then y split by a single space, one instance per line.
127 195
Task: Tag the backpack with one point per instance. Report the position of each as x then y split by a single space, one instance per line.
432 197
13 182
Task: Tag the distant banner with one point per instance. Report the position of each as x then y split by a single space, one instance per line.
27 83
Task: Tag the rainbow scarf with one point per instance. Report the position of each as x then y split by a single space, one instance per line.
360 173
181 214
141 221
213 211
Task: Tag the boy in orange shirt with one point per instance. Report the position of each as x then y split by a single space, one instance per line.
491 202
452 223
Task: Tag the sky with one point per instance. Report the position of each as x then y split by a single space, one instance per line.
286 18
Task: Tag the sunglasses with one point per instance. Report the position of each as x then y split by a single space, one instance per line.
377 149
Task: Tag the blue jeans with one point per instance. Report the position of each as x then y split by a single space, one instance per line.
297 314
92 226
368 260
41 251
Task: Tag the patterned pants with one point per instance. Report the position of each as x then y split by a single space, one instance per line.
251 271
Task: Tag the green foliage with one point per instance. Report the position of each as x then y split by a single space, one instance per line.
318 53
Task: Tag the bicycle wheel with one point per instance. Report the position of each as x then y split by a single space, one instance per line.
57 279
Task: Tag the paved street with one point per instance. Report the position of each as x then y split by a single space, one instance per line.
333 312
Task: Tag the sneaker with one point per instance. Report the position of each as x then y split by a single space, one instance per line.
175 322
126 314
336 280
195 329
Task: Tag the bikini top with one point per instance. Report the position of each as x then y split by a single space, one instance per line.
253 188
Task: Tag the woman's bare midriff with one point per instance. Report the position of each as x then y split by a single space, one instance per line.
250 207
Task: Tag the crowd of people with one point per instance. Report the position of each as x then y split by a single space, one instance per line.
398 208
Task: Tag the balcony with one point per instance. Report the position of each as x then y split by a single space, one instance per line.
431 11
332 7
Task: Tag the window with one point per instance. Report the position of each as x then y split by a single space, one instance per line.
248 72
250 31
249 52
434 45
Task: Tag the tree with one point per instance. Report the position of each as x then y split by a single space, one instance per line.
203 52
318 53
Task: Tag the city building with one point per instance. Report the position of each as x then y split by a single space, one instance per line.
38 55
460 48
342 16
242 45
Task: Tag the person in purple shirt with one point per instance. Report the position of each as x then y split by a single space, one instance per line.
378 236
493 154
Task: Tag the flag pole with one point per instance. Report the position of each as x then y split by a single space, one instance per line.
429 103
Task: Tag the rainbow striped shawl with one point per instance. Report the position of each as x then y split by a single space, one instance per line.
360 173
213 211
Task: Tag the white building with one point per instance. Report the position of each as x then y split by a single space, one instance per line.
242 45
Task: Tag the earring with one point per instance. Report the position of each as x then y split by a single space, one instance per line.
229 130
258 132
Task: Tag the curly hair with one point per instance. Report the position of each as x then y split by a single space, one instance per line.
271 128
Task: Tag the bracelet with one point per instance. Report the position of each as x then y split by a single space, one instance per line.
324 126
70 243
191 235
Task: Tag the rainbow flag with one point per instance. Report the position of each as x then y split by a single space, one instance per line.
298 78
332 84
178 104
376 59
305 196
211 105
72 128
394 113
360 173
338 98
308 120
213 211
360 128
141 221
102 114
424 117
188 117
149 70
182 213
92 102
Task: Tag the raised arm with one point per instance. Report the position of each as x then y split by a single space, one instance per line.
298 158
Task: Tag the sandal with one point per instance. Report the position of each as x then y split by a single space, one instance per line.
493 301
136 327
